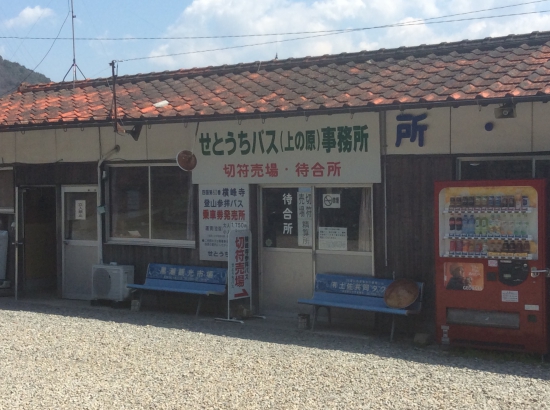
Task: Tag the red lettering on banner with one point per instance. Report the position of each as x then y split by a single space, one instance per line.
271 170
242 170
229 170
334 169
257 170
302 169
239 242
239 281
318 170
239 255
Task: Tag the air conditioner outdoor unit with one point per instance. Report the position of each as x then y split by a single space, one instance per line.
109 282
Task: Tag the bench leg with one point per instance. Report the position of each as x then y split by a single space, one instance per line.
315 308
392 327
199 306
315 312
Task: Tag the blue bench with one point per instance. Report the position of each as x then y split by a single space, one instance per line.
356 292
196 280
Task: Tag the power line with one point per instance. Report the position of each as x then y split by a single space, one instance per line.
335 31
47 52
406 24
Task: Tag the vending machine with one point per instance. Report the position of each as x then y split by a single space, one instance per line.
491 284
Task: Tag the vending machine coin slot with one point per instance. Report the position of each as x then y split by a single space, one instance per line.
512 272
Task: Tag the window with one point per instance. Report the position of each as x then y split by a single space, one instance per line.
151 204
496 169
342 215
287 216
7 191
343 219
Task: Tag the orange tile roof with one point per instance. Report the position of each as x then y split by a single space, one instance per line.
463 72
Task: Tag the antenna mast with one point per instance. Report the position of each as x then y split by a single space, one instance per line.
74 66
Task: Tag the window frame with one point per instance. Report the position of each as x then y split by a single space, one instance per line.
9 210
110 240
313 248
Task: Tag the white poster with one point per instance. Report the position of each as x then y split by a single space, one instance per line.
80 209
333 239
239 283
305 215
220 208
301 150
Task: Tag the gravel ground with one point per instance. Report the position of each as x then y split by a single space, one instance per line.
74 356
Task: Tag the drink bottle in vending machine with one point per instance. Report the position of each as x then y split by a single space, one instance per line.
491 284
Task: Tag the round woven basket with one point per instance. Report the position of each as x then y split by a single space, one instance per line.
401 293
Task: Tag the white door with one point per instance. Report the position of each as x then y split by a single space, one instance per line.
308 230
287 268
80 244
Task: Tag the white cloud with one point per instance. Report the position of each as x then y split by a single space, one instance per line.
223 17
29 16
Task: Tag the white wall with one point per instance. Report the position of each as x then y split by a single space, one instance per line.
450 131
156 142
462 131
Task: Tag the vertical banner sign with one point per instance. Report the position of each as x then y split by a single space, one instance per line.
238 265
305 214
80 209
220 208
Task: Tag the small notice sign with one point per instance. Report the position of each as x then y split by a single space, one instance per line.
510 296
333 239
331 200
80 209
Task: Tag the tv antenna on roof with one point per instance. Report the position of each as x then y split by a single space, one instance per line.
74 66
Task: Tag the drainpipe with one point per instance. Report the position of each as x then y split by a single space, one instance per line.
100 202
384 144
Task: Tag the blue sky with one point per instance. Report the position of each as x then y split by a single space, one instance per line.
99 20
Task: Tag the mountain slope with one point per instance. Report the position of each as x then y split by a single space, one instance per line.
12 74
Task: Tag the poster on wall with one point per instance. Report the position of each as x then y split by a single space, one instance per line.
80 209
239 264
333 239
328 149
463 276
221 207
305 215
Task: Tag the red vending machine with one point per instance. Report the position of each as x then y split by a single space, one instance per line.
491 285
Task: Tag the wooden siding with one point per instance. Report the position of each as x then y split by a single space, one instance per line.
410 218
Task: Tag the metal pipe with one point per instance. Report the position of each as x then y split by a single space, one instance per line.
384 146
99 197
